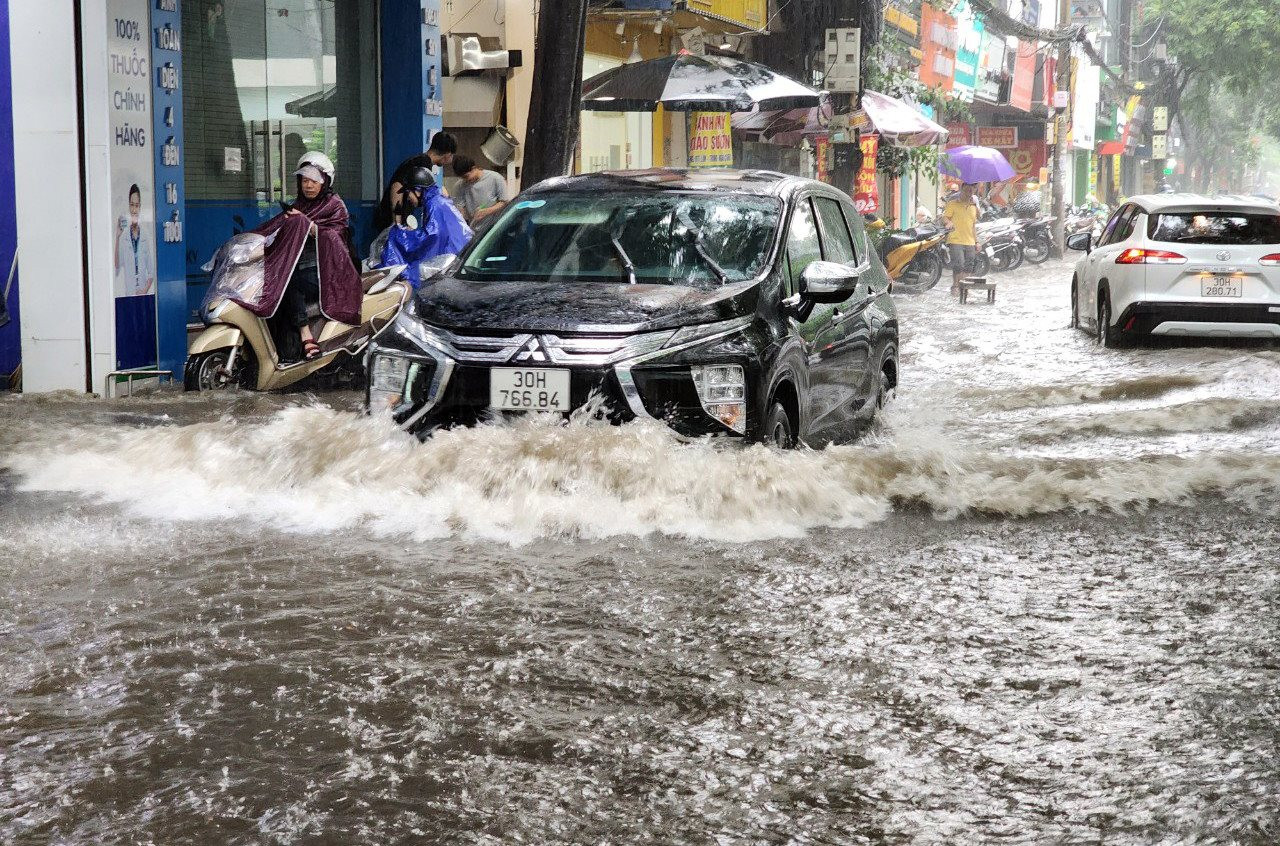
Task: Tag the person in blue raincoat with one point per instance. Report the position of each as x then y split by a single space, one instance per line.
443 231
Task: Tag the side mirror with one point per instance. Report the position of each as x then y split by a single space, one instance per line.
1080 242
828 282
434 268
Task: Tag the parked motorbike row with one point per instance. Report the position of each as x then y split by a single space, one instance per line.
915 258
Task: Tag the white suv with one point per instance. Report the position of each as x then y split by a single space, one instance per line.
1183 265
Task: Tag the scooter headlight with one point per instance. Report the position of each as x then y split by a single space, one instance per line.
723 392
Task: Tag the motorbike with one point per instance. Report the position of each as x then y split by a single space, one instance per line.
1037 239
237 348
911 257
1000 247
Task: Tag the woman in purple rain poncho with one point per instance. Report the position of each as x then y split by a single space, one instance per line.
308 260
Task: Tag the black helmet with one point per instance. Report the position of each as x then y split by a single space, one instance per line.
418 176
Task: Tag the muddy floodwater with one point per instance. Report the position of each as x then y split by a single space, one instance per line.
1038 603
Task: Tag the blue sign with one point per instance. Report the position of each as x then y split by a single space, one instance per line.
432 84
171 269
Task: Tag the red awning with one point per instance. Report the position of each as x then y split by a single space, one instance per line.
1110 148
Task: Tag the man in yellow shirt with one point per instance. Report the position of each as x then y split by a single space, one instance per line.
961 215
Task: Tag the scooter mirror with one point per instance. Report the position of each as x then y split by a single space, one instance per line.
435 267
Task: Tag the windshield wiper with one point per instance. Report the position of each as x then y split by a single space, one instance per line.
624 258
711 263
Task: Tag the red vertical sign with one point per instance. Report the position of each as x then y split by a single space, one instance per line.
822 154
1024 76
1049 82
866 199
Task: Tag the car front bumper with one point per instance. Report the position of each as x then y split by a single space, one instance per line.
446 379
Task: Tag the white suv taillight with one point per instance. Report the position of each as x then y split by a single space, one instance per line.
1272 260
723 392
1137 255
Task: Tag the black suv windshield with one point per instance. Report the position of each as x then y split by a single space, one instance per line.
670 238
1215 228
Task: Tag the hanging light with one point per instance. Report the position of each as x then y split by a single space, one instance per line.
622 27
657 26
635 52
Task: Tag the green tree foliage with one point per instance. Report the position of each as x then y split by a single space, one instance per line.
1223 89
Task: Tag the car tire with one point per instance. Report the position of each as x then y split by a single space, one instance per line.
1108 336
1075 304
779 430
887 384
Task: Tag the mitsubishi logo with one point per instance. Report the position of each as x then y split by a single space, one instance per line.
1224 255
533 350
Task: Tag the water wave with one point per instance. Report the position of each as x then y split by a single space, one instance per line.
1215 414
313 469
1060 394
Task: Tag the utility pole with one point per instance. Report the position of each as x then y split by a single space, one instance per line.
557 90
1061 127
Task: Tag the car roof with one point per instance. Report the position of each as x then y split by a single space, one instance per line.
1156 203
764 183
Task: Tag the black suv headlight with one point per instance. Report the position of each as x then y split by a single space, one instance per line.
722 389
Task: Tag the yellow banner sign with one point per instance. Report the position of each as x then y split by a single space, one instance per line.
710 140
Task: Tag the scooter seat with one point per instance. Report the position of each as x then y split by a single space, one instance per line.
894 241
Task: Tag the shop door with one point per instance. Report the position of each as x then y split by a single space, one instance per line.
264 83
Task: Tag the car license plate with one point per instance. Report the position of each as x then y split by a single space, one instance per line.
528 389
1221 286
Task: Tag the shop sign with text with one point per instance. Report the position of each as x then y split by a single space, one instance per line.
959 135
710 140
133 198
866 197
938 41
1004 137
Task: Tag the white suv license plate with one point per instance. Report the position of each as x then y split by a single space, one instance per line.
528 389
1221 286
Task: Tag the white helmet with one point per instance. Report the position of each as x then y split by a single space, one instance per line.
317 160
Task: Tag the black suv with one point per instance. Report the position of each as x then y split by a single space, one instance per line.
741 303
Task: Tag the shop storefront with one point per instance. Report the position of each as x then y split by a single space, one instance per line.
190 116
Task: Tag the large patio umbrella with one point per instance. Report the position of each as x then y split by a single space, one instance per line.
972 164
769 123
899 124
688 83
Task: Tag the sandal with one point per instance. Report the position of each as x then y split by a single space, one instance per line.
311 350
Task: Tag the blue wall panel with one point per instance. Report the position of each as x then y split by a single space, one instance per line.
10 340
402 80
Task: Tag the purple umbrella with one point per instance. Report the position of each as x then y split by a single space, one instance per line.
976 164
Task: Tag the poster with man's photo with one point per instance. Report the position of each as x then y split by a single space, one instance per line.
133 200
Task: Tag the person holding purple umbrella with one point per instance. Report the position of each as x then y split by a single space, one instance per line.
961 216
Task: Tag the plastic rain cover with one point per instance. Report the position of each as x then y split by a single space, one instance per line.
239 271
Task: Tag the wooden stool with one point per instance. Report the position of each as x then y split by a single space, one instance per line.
977 283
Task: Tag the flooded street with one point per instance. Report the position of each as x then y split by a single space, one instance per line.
1037 604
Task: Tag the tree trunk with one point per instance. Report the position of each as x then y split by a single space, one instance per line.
557 90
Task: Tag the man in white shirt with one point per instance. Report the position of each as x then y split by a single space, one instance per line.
134 264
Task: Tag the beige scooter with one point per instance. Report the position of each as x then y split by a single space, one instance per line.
236 348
